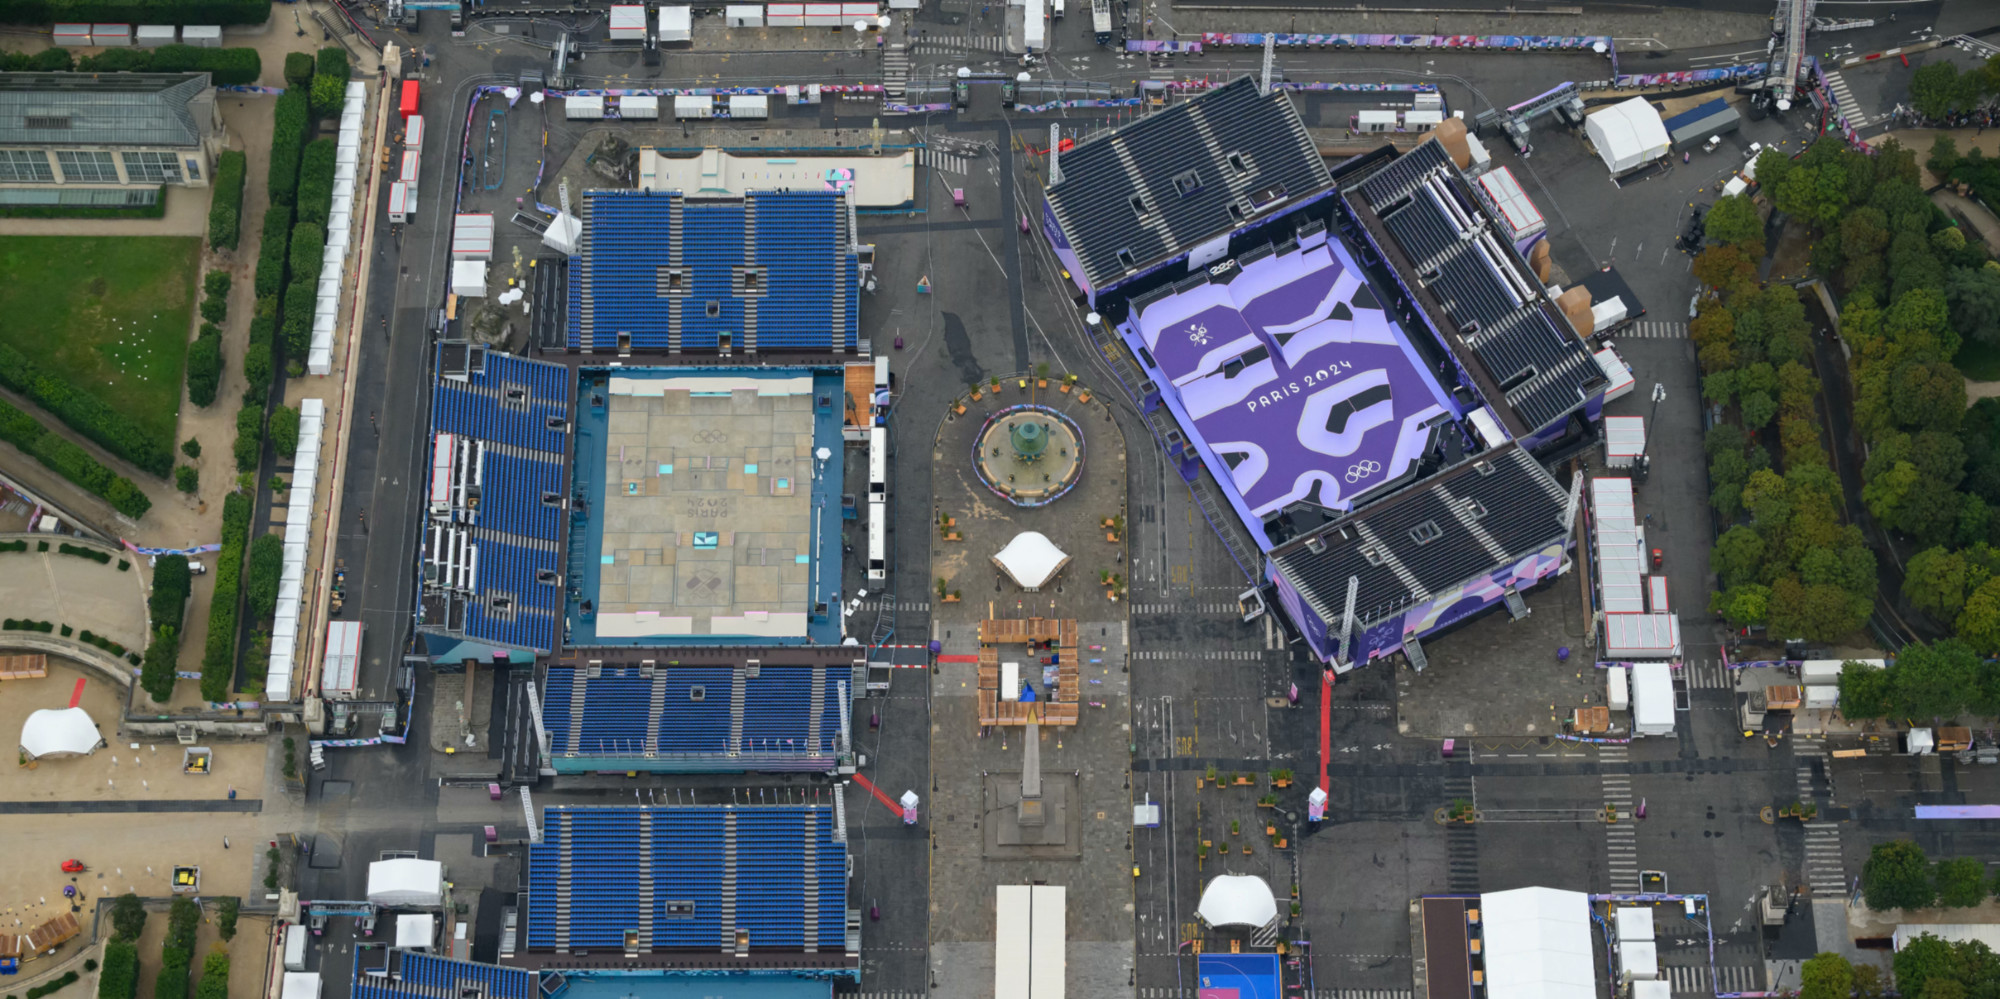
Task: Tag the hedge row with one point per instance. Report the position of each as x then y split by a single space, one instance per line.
172 982
214 974
249 436
267 564
12 624
158 209
45 61
71 462
291 117
118 976
329 83
316 169
68 978
225 212
218 662
225 67
298 69
271 253
136 11
87 638
85 413
101 558
167 604
204 365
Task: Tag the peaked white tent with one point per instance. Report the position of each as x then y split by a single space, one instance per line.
1031 559
1537 944
1628 135
59 732
1237 900
406 883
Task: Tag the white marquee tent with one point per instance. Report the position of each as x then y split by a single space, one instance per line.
1537 944
406 882
1031 559
59 732
1237 900
1627 135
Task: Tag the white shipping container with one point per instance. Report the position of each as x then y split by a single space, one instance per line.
402 202
628 23
411 161
823 15
859 11
1375 121
298 984
1618 688
687 106
207 36
1422 121
73 34
583 108
149 35
295 948
779 15
413 132
1034 26
676 24
341 674
743 15
110 34
749 106
639 107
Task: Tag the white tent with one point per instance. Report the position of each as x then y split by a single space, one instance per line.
1237 900
1627 135
416 930
565 234
1652 699
1031 559
1634 922
59 732
406 882
1537 944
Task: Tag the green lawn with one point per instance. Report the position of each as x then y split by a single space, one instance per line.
110 314
1979 361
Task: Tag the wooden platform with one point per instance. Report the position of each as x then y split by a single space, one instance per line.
40 940
1040 638
24 667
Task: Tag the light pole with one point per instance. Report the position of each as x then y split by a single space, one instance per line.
1646 450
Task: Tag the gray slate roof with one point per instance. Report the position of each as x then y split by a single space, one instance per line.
109 109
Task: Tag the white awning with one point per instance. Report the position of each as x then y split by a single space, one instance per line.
1237 900
1627 135
416 929
406 882
1031 559
1537 944
59 732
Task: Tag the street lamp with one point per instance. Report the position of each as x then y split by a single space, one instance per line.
1646 449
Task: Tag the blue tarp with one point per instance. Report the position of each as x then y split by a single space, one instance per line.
1696 114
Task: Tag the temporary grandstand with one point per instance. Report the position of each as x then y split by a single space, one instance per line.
667 273
495 499
1180 185
715 888
402 974
681 718
1368 383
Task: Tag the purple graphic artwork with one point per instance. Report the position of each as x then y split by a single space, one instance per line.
1291 380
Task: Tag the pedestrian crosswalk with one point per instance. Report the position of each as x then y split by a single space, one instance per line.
895 70
1707 674
1825 870
961 43
1727 979
1655 329
1621 838
1837 86
1461 841
1240 655
1231 608
944 162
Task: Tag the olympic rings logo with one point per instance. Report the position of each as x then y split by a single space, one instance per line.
1362 469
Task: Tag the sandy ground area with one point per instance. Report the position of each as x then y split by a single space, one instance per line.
124 852
66 589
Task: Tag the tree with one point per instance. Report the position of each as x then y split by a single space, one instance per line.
1864 691
1738 556
225 917
156 671
1925 958
1961 882
1757 408
1897 876
128 917
1773 167
1935 90
1979 623
1724 267
191 448
1885 494
119 978
214 973
1826 976
1934 582
186 479
285 431
1974 296
1747 604
1944 155
1932 681
1734 220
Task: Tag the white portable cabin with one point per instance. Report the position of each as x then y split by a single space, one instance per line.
1652 699
1624 440
1656 595
1635 923
468 278
111 35
73 35
1375 121
1618 688
878 541
1422 121
628 23
1034 26
643 108
878 464
300 985
583 108
676 24
1614 369
1642 636
749 106
823 15
1736 185
411 163
149 35
785 15
472 237
402 201
1429 102
206 36
340 673
1606 314
295 947
687 106
851 11
413 131
743 15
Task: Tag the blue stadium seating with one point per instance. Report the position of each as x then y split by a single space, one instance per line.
511 491
777 714
687 862
427 976
630 238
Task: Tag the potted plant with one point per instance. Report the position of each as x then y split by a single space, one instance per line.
1211 772
977 391
1281 778
1244 780
1235 828
1068 381
1202 852
1222 847
1295 894
1042 375
943 591
1271 830
1295 910
1268 801
995 381
958 407
1116 527
1083 395
956 596
1461 811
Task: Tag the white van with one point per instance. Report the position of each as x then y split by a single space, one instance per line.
1058 8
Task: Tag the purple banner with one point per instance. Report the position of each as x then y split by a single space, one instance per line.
1685 77
1167 47
1509 43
